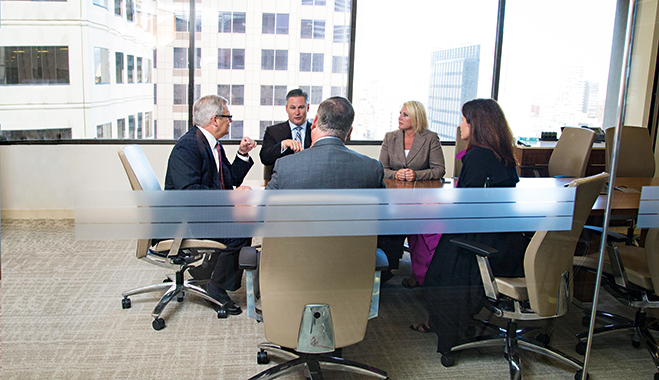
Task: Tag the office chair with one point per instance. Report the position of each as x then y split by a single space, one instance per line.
317 295
460 145
571 154
630 275
544 293
177 254
267 172
635 159
635 156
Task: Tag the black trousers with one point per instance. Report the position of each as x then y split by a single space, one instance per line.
222 267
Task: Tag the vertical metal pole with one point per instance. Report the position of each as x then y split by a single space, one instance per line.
498 48
192 23
351 66
622 100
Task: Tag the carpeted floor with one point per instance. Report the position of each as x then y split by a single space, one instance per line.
62 319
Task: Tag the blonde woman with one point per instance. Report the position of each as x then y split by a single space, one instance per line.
413 153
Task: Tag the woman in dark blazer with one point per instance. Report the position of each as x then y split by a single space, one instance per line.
408 154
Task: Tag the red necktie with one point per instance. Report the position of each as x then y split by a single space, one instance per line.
219 156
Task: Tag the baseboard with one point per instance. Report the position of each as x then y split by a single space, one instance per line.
37 214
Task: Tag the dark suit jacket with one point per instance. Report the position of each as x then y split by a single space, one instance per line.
329 164
425 157
274 135
192 166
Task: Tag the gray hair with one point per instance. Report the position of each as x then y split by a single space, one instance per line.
205 108
335 117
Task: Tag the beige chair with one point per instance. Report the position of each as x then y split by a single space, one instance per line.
572 152
545 292
460 145
176 254
630 275
316 297
635 157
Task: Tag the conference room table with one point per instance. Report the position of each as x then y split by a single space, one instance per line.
625 202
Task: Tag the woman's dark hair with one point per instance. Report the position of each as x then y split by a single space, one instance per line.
489 129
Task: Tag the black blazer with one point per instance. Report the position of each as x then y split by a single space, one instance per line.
272 138
192 166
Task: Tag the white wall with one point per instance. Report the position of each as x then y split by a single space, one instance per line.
39 181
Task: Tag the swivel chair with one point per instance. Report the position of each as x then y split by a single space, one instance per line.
460 145
571 154
545 292
176 254
312 302
631 275
635 156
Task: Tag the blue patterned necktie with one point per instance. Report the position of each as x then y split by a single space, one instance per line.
298 134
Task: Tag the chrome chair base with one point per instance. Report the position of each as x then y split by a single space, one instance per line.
512 339
312 364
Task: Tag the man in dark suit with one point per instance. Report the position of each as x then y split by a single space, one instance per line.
194 164
328 163
291 136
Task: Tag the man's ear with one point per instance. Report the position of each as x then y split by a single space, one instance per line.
314 125
349 133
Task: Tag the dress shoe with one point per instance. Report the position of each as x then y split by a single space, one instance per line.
222 297
386 276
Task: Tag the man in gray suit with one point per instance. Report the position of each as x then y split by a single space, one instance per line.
328 163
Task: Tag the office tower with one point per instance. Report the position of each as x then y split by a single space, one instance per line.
453 81
119 68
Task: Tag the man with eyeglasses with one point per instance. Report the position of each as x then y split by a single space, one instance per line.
198 162
291 136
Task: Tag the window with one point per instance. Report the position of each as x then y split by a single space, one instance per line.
339 65
274 59
317 62
341 33
181 58
338 91
130 10
104 131
231 22
130 65
182 21
236 129
34 65
155 93
235 94
231 59
312 29
273 95
101 3
275 23
280 95
312 62
281 59
148 71
131 126
313 2
139 125
180 127
148 130
121 128
181 93
315 93
342 5
119 67
139 69
101 65
117 7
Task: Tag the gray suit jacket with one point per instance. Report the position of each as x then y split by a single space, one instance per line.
328 164
425 157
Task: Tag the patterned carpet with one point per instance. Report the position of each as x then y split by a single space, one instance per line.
62 319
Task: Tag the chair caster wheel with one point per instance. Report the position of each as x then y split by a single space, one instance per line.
180 298
543 339
636 340
581 348
222 313
636 344
158 324
579 375
448 360
585 321
656 376
125 303
262 357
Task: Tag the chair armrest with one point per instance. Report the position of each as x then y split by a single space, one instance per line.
482 251
474 246
381 261
610 235
248 258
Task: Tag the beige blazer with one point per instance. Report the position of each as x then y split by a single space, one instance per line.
425 157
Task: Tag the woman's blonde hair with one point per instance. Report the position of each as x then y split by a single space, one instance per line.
417 113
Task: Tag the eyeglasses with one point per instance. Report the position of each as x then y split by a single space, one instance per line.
227 116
